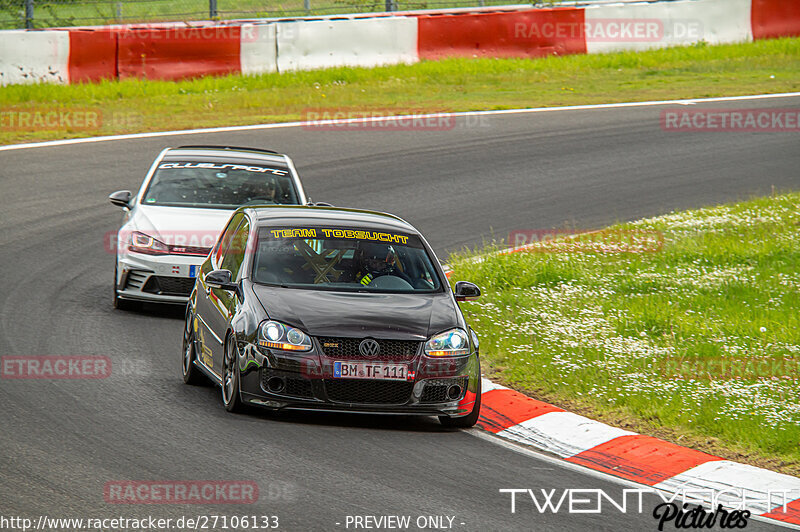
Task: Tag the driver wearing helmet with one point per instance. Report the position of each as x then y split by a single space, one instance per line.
375 260
252 191
272 190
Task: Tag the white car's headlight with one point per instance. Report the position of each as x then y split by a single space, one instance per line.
142 243
449 343
279 336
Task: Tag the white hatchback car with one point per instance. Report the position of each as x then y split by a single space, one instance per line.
173 221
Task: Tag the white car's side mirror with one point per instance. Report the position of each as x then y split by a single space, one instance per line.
121 198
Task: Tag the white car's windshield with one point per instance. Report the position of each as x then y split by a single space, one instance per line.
219 185
343 259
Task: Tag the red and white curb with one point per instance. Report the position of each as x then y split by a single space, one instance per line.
176 50
634 457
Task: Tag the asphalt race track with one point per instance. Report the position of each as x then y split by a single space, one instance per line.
61 441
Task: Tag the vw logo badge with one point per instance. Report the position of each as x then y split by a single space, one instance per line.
369 348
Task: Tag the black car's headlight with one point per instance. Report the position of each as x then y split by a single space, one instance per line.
447 344
277 335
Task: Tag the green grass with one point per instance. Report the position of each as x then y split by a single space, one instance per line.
449 85
698 342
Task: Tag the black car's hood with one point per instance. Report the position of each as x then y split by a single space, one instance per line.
324 313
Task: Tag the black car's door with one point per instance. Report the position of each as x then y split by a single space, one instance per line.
208 339
222 303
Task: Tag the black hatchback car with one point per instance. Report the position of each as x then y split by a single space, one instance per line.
318 308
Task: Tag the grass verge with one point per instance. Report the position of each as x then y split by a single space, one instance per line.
450 85
697 343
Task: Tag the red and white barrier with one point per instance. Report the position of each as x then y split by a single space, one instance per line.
258 53
611 28
531 33
775 18
34 57
92 55
363 42
176 51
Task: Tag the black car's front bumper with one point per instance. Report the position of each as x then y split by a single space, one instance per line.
304 381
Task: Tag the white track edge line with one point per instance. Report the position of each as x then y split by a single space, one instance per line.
280 125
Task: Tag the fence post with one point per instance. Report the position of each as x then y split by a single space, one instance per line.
390 5
29 14
307 5
212 9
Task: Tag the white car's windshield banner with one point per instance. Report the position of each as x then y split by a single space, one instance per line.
212 166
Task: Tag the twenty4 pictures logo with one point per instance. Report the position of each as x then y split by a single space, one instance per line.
681 509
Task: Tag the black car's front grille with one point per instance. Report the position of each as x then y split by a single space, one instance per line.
368 392
435 390
169 286
347 348
293 385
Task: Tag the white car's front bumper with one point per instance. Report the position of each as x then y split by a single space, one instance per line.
158 278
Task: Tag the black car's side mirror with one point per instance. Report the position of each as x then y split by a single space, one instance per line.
466 291
121 198
221 279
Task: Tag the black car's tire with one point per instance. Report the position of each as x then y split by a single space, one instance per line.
191 373
119 303
467 421
231 396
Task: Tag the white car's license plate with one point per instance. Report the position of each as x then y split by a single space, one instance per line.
367 370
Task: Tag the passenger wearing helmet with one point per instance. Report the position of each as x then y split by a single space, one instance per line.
375 260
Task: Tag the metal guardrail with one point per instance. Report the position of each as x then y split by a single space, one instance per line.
15 14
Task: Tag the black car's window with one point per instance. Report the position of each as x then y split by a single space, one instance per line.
225 238
343 259
233 256
219 185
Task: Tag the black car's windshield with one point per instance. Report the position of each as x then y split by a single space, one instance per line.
343 259
219 185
